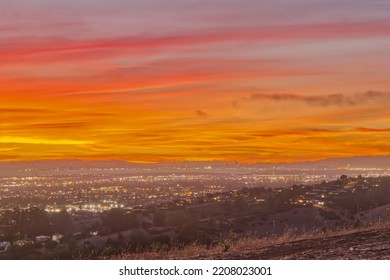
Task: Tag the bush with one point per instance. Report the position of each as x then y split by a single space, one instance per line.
51 244
138 239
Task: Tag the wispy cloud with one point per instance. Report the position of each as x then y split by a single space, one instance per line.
193 80
372 130
50 50
324 100
58 126
201 113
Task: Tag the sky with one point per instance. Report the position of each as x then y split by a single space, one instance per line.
194 80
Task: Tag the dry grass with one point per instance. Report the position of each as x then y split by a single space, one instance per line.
233 244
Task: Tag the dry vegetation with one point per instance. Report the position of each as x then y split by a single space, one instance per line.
232 247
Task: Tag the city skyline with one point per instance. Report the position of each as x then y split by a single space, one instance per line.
244 81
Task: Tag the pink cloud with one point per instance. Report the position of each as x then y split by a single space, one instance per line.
52 50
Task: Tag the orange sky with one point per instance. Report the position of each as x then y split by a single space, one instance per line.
194 80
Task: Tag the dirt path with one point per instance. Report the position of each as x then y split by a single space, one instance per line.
370 244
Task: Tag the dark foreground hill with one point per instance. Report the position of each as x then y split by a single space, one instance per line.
365 243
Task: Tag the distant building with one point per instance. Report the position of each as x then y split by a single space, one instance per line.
42 238
57 237
23 242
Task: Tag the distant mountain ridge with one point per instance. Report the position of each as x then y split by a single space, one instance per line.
358 161
331 163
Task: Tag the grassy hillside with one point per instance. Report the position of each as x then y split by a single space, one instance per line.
368 242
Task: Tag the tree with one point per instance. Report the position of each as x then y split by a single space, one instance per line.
343 177
36 222
159 218
62 222
22 223
138 239
117 220
187 233
240 205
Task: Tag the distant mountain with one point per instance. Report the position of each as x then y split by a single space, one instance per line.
362 161
331 163
354 162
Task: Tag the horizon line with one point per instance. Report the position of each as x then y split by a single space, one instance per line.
188 161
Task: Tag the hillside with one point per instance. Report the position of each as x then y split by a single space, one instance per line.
364 243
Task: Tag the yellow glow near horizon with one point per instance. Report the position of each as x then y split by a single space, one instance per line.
261 89
37 141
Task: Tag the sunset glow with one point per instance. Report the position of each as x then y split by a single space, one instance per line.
169 80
